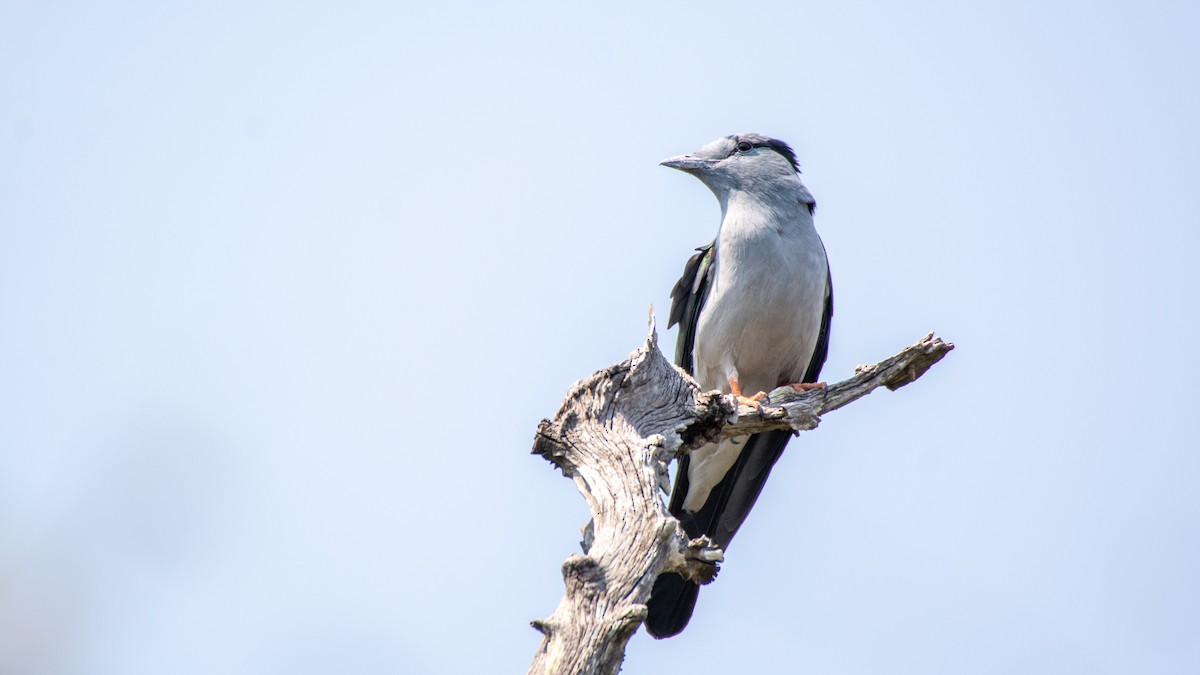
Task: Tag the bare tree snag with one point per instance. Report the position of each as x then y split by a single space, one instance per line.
614 436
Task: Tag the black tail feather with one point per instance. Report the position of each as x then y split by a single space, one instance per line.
670 606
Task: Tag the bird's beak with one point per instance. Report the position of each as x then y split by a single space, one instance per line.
687 163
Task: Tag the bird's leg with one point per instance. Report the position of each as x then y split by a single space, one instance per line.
752 401
802 387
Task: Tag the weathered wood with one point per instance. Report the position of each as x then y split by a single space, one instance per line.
784 408
614 436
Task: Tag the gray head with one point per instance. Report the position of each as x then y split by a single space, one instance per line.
744 162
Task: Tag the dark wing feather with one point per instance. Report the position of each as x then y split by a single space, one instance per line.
821 351
687 297
673 598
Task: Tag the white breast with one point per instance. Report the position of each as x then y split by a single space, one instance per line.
763 313
760 322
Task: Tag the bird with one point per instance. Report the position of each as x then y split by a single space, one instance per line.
754 308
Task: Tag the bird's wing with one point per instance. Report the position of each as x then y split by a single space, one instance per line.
673 597
687 298
821 350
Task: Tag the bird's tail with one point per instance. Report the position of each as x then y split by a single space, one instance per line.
670 605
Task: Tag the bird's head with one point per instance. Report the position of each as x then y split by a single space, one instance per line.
738 161
743 162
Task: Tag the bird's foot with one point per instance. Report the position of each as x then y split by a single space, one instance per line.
754 401
802 387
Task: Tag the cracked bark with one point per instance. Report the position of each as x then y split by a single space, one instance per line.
614 436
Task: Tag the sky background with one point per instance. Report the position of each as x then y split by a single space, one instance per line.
286 287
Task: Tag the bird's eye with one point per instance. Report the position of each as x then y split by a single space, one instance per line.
744 147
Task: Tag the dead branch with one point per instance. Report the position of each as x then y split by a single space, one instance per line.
614 436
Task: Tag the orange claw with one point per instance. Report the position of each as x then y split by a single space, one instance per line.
807 386
751 401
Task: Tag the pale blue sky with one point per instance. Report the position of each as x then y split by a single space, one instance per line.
257 260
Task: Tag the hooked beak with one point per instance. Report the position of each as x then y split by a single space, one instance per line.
688 163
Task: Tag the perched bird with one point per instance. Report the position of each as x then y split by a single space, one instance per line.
753 309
